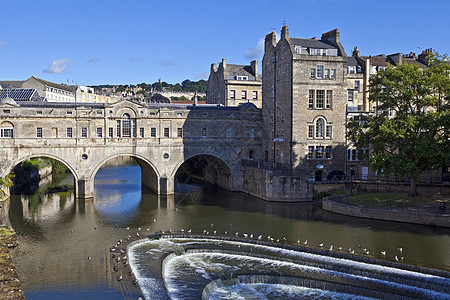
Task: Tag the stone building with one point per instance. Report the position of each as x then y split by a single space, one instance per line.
305 97
231 85
51 91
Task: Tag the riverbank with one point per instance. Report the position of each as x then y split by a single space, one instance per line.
9 282
432 212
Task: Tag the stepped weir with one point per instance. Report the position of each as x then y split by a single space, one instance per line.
179 266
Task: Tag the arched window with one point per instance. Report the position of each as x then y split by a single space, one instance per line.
126 125
320 124
6 130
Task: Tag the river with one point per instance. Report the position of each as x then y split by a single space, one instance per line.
64 242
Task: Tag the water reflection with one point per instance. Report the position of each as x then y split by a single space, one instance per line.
58 234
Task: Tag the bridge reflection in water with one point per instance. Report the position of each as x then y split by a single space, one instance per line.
212 267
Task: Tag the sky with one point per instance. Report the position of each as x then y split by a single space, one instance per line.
133 41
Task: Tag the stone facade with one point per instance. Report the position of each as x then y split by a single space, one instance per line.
305 97
160 137
231 85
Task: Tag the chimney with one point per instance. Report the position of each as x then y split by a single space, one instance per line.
254 66
213 68
423 57
224 63
270 41
355 52
332 37
285 32
195 98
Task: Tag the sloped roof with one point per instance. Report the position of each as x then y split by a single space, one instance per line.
21 94
312 43
239 70
55 85
11 83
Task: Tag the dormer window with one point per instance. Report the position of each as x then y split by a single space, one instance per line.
351 69
241 77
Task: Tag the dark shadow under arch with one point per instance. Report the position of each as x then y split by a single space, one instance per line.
206 168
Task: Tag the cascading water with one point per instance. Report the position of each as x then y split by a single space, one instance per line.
222 268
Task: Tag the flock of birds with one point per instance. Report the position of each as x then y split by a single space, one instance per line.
118 254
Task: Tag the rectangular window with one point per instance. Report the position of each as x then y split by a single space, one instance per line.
118 128
250 154
327 74
350 95
251 133
320 98
271 119
319 71
153 132
357 85
255 95
328 131
204 132
141 132
310 152
328 152
310 131
333 73
311 99
313 73
319 152
244 94
329 99
69 132
39 132
351 69
99 132
166 132
84 132
6 132
110 132
179 132
134 128
228 133
232 94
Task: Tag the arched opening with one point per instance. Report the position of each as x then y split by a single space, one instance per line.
124 187
336 175
43 190
143 174
204 168
6 130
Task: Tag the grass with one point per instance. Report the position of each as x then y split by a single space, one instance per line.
393 200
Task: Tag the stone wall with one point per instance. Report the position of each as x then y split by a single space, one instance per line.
414 217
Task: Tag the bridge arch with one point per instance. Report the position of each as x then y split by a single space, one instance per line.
216 170
14 163
150 175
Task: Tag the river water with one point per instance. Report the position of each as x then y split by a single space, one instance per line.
64 243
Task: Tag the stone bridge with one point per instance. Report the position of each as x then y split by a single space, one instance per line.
160 137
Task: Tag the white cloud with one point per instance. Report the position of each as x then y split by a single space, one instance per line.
94 59
166 62
58 66
2 43
255 52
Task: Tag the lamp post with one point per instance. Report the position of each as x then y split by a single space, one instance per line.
352 172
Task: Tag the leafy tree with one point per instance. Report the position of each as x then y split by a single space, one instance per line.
5 182
409 133
143 92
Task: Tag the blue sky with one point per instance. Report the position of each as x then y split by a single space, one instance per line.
129 42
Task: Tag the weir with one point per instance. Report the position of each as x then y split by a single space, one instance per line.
206 266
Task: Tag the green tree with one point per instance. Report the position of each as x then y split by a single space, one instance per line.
409 133
5 182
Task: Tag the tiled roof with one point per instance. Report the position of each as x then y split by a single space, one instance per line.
55 85
311 43
238 70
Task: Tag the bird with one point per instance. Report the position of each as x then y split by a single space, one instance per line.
226 232
298 241
340 248
251 235
396 258
212 224
245 235
383 253
170 230
189 231
321 245
128 228
154 220
89 258
305 242
204 231
137 234
182 230
237 234
331 248
162 231
119 278
139 228
147 229
215 231
260 237
400 249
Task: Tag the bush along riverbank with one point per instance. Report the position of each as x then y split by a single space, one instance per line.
9 281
